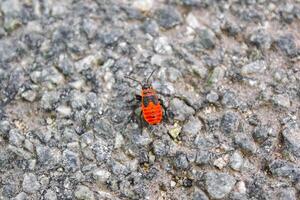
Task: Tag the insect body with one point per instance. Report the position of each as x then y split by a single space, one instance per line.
151 107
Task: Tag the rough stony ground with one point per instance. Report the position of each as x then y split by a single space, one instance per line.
229 72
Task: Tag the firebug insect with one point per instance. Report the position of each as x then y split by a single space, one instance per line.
150 104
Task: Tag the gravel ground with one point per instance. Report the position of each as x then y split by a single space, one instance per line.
228 72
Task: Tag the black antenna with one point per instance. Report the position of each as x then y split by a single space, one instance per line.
134 80
150 76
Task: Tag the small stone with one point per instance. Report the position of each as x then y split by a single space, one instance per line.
192 21
101 176
245 143
192 2
119 141
19 152
180 110
199 70
101 150
83 193
28 145
50 195
168 17
192 127
204 157
151 27
29 95
199 195
49 99
288 193
162 46
47 157
218 185
160 148
21 196
143 5
77 84
174 131
207 38
260 39
89 26
241 187
212 97
64 111
287 45
30 183
231 28
204 40
236 161
110 38
173 184
230 100
181 161
261 133
221 162
291 136
143 139
119 169
282 100
282 168
71 160
255 67
78 100
16 138
217 75
229 122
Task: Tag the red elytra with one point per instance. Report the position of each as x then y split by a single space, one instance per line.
151 108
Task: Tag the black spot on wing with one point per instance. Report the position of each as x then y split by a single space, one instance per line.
148 99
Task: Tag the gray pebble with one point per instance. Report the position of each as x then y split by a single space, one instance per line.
199 195
49 99
71 160
246 143
230 99
192 127
168 17
261 39
50 195
218 185
101 176
282 100
160 148
282 168
29 95
30 183
261 133
21 196
291 136
236 161
16 138
212 97
286 44
229 122
83 193
180 110
255 67
181 161
287 194
204 157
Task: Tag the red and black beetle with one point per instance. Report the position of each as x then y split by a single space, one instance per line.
151 105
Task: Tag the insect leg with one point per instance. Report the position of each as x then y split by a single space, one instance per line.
138 97
141 121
